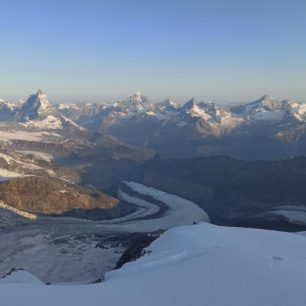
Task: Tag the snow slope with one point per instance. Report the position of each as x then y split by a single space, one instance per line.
199 264
19 277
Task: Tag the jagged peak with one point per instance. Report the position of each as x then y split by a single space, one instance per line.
133 103
39 92
167 103
37 105
264 98
190 104
193 100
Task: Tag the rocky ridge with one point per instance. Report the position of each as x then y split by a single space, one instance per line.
46 195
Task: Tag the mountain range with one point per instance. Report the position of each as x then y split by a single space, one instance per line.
264 129
100 145
89 182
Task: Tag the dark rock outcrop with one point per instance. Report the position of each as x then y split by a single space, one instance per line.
136 249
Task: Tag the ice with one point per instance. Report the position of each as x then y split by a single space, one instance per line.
193 265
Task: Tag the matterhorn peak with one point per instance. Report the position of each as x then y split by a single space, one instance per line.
39 92
37 105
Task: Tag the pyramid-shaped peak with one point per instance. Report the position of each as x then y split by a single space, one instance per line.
36 106
266 98
168 102
190 104
193 101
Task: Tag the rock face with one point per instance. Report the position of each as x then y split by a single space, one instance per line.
138 244
25 163
45 195
36 106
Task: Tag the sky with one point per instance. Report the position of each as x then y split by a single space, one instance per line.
223 50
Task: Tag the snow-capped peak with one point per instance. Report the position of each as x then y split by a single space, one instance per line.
39 92
167 105
265 108
190 104
266 98
37 105
270 103
43 100
205 110
133 103
138 96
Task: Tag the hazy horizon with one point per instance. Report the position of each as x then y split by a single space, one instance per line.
109 99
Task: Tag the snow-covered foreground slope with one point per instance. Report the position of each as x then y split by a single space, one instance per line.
199 264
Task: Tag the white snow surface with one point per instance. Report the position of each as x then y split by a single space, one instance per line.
20 277
38 155
166 115
6 136
67 106
50 122
195 111
200 264
298 110
276 115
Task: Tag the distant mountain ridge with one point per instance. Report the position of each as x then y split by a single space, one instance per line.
267 128
202 128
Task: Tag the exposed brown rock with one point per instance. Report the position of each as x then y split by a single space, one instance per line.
46 195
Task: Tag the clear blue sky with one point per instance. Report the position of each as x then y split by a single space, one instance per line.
219 49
